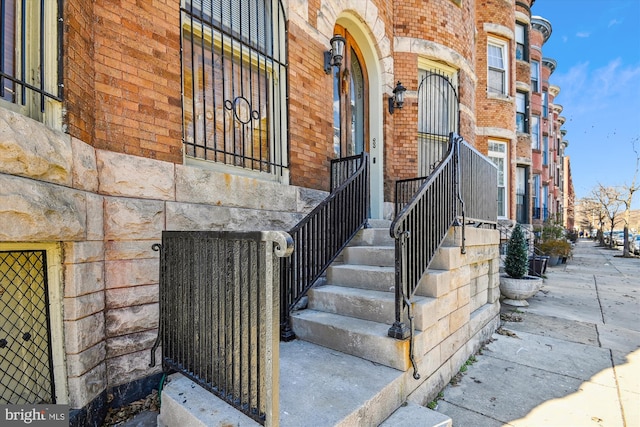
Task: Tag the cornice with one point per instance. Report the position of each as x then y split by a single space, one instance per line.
550 63
542 25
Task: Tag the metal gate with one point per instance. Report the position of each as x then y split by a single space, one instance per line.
438 116
26 365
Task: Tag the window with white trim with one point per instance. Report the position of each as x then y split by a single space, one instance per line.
521 45
521 112
535 132
535 76
536 197
545 104
498 155
497 67
30 75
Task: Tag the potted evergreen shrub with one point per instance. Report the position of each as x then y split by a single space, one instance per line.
516 285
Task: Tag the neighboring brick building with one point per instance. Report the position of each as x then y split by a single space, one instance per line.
550 179
140 117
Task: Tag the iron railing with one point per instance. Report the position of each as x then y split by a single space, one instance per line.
322 234
441 200
478 179
219 298
29 31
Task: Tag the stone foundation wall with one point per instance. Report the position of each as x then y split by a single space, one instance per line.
104 210
467 289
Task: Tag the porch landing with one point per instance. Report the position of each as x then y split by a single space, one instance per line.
319 387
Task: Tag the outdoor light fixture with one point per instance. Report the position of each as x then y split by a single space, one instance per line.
397 100
334 56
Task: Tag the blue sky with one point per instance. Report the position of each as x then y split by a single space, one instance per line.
596 44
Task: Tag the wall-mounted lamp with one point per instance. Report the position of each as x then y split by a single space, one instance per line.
334 56
397 100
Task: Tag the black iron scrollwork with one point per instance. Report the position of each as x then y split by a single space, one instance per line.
241 108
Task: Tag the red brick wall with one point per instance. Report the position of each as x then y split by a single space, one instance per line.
444 23
79 69
310 112
125 95
496 111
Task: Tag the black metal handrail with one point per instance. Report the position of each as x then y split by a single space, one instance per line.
322 234
422 221
478 177
218 322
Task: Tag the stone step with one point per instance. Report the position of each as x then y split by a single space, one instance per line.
378 223
381 256
362 277
370 305
362 338
372 237
413 415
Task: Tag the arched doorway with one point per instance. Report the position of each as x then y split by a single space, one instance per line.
350 101
358 108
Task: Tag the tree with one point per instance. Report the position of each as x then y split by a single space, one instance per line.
626 197
592 216
609 199
516 262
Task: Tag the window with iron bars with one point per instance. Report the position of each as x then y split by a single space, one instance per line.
30 48
438 113
234 83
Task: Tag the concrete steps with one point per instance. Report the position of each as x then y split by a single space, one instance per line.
353 311
363 338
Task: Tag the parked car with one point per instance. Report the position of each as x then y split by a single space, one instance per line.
618 238
634 244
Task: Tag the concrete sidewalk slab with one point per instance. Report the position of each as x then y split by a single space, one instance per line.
575 359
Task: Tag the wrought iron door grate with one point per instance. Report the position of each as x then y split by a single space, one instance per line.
25 336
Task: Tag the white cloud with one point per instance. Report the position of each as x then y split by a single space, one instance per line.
614 22
583 34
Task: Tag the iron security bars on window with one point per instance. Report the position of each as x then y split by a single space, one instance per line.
234 83
30 53
438 116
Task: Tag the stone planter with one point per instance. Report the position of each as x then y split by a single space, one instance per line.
554 260
538 265
516 291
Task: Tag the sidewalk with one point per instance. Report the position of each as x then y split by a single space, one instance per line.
572 361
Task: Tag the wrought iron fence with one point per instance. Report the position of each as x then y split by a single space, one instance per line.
322 234
478 183
465 181
25 335
219 299
31 52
